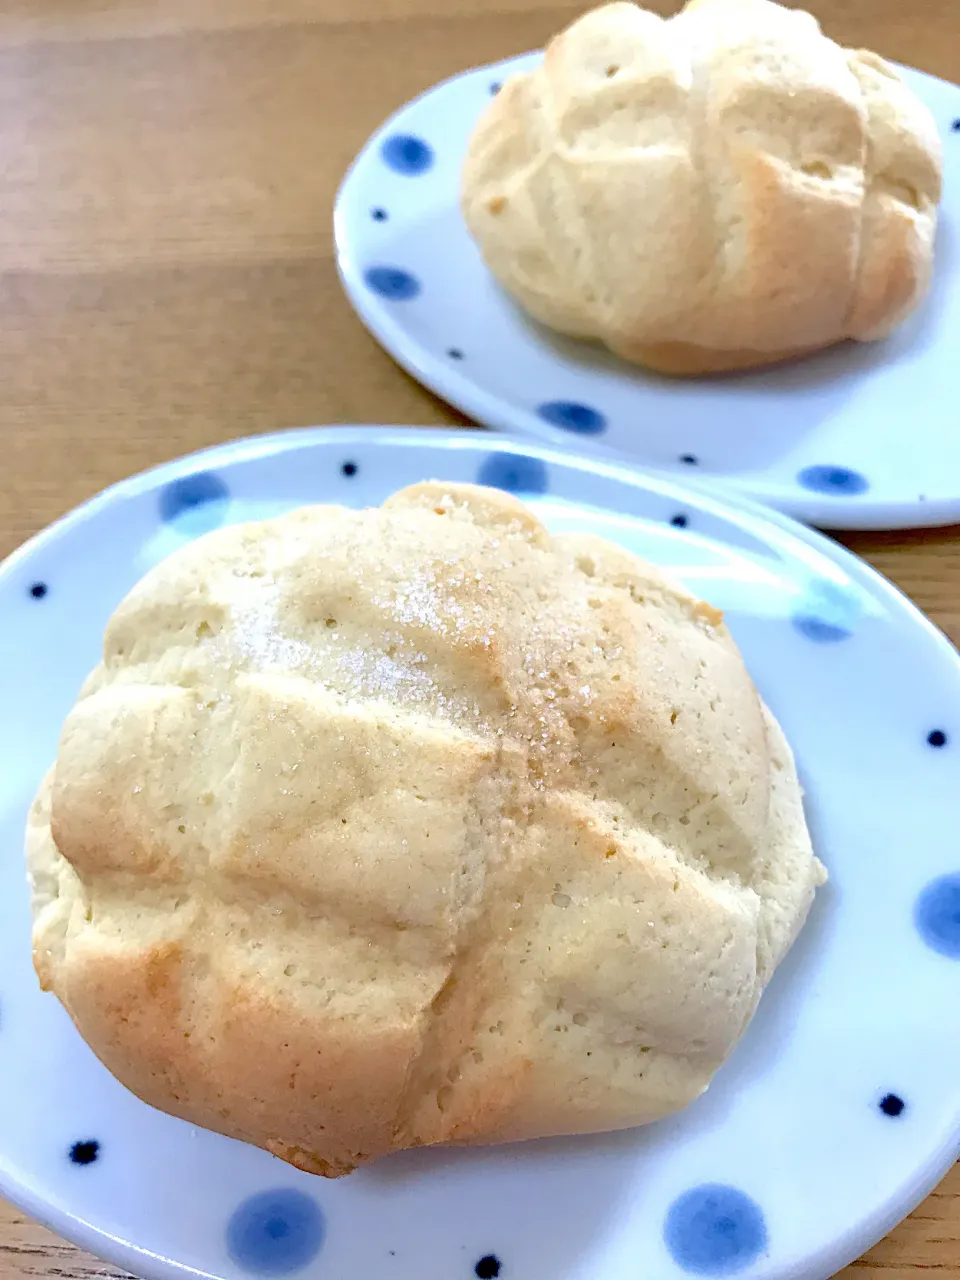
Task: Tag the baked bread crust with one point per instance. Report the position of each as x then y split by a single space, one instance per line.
415 825
720 189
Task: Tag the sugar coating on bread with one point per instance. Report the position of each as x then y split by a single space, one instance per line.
724 188
415 825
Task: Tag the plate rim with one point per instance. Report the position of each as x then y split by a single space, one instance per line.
719 500
788 532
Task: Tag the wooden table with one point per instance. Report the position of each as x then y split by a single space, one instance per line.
166 178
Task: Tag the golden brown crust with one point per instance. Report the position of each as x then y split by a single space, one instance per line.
415 825
722 189
679 360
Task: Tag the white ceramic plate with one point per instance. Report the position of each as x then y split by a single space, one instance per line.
839 1110
862 436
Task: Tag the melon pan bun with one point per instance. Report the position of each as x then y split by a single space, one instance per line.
413 825
718 190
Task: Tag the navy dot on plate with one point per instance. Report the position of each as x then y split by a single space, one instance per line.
349 469
820 630
392 282
275 1233
488 1268
892 1105
495 87
514 472
571 416
937 915
715 1230
828 612
937 738
689 459
833 480
85 1152
203 496
679 521
405 153
379 215
454 353
38 590
956 125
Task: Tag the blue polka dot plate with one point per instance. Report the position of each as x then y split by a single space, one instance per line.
841 1106
858 437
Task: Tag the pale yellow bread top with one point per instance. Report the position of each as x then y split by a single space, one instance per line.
415 825
722 188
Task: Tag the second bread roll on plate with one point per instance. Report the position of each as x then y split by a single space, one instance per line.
724 189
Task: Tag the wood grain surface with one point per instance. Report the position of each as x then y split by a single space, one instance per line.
167 281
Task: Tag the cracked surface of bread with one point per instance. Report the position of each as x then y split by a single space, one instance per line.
721 189
415 825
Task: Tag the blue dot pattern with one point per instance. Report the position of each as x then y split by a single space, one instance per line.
836 480
827 614
571 416
937 915
819 629
275 1233
85 1152
195 503
715 1230
407 154
392 283
514 472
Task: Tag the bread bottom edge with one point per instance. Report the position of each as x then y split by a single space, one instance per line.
682 360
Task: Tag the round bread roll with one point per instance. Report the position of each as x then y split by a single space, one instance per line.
723 189
415 825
